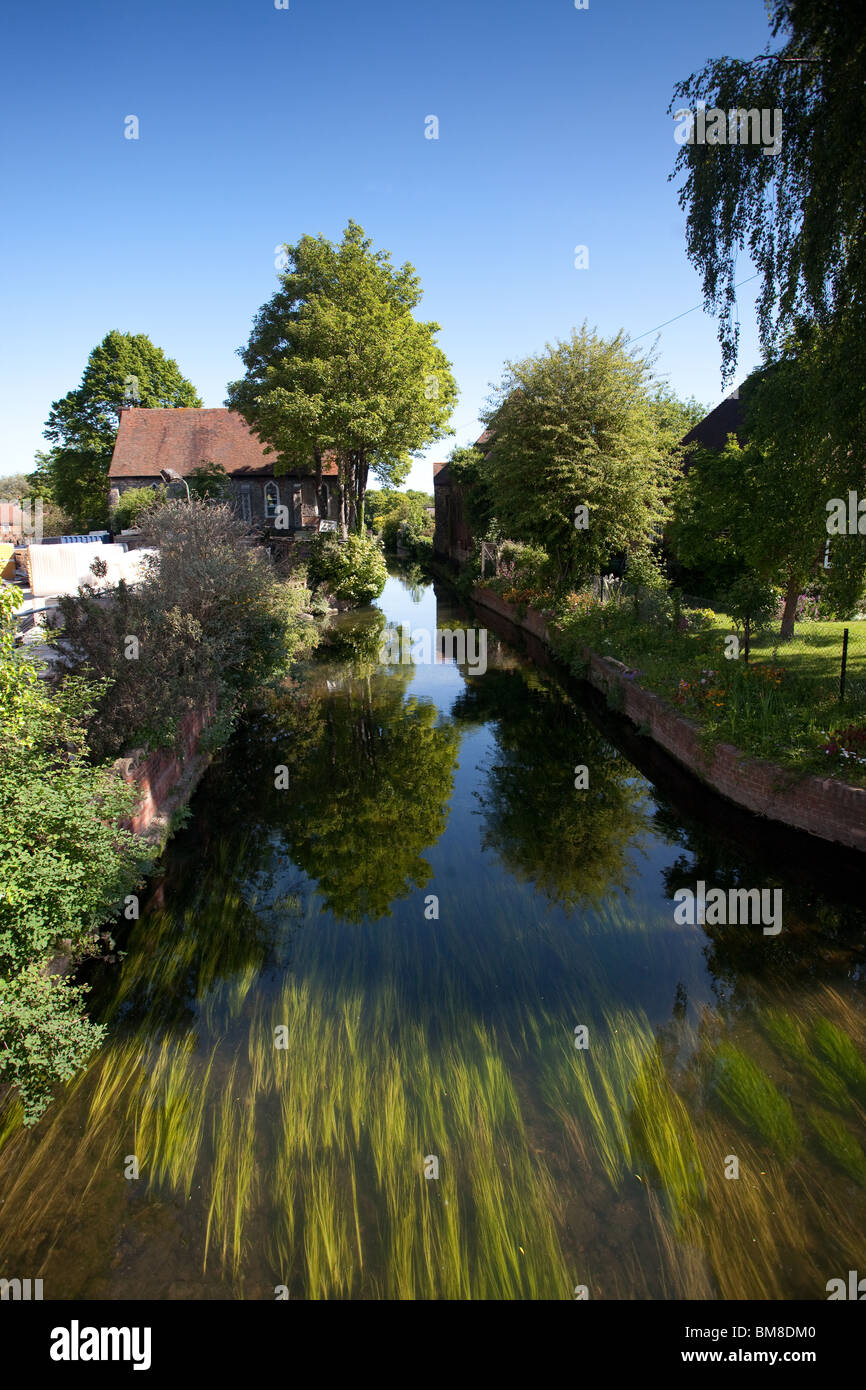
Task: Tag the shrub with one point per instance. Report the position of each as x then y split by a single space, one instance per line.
64 867
46 1037
697 620
211 617
354 570
134 503
751 600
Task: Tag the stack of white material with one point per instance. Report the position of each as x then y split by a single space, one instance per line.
59 569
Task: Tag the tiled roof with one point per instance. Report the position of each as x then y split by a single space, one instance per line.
184 438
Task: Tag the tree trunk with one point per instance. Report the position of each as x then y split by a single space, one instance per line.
792 593
317 455
363 471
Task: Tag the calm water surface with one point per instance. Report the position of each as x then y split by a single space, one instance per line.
342 1052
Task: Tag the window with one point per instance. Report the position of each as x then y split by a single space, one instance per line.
246 504
272 500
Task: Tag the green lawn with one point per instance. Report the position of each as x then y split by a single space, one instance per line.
784 705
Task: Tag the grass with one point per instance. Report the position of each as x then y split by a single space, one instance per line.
838 1145
782 706
749 1095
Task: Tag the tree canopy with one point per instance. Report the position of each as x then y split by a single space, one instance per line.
124 369
336 362
764 506
800 212
582 455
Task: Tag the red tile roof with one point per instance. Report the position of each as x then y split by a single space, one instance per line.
183 438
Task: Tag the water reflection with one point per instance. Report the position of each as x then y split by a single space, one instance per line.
293 1032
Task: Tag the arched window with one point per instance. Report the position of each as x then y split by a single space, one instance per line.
272 500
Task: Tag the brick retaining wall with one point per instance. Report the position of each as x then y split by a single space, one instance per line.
166 780
826 807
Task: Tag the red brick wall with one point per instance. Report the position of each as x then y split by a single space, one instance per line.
826 807
158 775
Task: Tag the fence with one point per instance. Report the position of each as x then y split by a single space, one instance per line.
833 655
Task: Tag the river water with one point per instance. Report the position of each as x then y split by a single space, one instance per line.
408 1014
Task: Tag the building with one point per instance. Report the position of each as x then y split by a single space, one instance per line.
712 432
452 538
184 438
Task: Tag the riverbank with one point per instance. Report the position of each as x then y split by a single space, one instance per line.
824 807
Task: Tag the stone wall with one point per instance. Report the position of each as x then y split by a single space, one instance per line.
826 807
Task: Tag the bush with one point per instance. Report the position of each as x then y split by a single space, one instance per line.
354 570
211 618
527 566
64 866
134 503
751 600
697 620
46 1037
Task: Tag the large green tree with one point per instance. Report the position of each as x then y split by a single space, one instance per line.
336 362
124 369
799 212
582 456
764 506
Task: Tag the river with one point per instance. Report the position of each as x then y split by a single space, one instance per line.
407 1013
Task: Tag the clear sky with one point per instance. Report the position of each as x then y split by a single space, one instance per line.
259 124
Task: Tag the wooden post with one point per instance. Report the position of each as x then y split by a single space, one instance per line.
844 664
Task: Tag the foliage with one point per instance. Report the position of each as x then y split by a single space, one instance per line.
751 601
64 866
337 362
466 464
209 480
45 1035
354 570
407 521
82 425
210 616
575 427
764 506
133 503
799 211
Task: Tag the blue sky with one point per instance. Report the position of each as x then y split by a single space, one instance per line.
258 125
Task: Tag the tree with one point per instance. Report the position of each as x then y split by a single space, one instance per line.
764 506
580 463
336 362
799 211
124 369
64 866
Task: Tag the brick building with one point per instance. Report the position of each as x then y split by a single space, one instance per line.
185 438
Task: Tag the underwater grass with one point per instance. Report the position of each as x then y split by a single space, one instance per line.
751 1098
841 1055
838 1145
663 1133
788 1038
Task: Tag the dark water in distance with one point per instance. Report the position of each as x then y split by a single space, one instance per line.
422 1023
